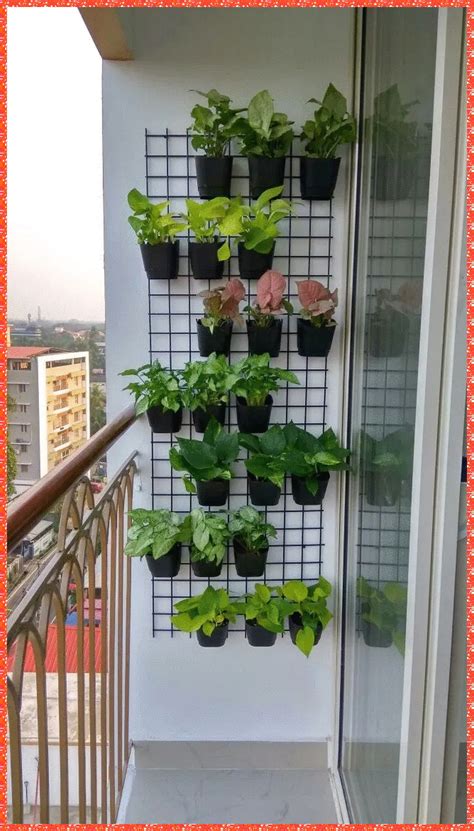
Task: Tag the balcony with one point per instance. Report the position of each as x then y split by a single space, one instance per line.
61 445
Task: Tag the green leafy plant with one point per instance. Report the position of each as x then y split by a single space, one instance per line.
203 218
265 132
208 534
254 379
222 304
393 135
268 458
255 225
215 125
263 608
394 453
310 603
154 532
270 300
310 455
317 303
151 225
385 609
206 382
208 459
155 386
249 527
330 126
204 611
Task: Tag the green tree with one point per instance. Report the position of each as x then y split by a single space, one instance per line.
97 408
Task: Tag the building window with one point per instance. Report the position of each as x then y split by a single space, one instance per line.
24 428
24 448
22 408
24 468
21 387
21 365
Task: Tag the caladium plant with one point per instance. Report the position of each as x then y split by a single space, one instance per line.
254 379
270 299
215 125
330 127
205 460
317 303
265 132
222 304
153 224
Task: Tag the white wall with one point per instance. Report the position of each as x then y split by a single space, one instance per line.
178 690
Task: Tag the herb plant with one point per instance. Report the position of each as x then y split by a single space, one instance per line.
208 534
263 608
206 382
155 386
268 459
222 304
310 603
265 132
256 225
208 459
308 455
204 611
385 609
330 127
394 136
215 125
151 225
250 528
154 532
317 303
270 300
254 379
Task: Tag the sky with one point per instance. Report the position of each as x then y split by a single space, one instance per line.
55 226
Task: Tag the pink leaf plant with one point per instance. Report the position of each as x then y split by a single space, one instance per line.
222 303
406 300
270 300
317 303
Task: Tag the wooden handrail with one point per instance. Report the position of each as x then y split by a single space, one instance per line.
26 510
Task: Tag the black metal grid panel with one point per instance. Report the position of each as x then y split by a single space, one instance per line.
396 250
302 250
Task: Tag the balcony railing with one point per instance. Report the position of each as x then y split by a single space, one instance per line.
69 646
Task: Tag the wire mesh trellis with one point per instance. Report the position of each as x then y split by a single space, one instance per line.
302 250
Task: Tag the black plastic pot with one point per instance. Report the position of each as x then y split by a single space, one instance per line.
213 176
161 261
313 341
263 492
373 636
249 563
394 178
254 419
201 417
218 637
252 264
264 338
204 262
213 493
203 568
387 334
265 173
302 495
382 487
168 565
217 341
164 421
296 624
258 635
318 177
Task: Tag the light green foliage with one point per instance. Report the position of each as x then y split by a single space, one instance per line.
265 132
255 225
154 386
387 609
250 528
310 602
204 218
208 459
330 127
154 532
264 608
151 225
204 611
215 125
309 455
254 378
206 382
208 534
393 136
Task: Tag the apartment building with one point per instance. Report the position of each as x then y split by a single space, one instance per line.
50 419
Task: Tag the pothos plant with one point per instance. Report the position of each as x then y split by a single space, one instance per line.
309 455
154 533
205 460
206 382
255 225
385 609
203 218
250 527
270 299
265 132
318 303
208 534
331 126
204 611
255 379
222 304
268 454
215 125
155 386
262 607
393 135
309 604
153 224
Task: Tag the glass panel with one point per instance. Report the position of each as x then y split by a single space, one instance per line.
399 62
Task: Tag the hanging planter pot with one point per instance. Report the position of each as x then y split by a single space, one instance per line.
296 624
213 493
264 338
253 419
318 177
258 635
166 566
213 176
382 488
265 173
263 492
313 341
161 261
387 334
204 262
252 264
204 568
303 496
394 178
373 636
218 637
164 421
217 341
249 563
201 417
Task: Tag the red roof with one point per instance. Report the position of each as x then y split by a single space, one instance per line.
51 659
19 352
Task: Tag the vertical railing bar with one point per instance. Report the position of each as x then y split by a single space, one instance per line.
62 710
81 696
14 741
103 668
91 556
111 697
39 651
128 597
120 517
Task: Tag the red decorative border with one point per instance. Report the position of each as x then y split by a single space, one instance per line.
470 341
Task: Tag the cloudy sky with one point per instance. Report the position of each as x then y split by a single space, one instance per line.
55 249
